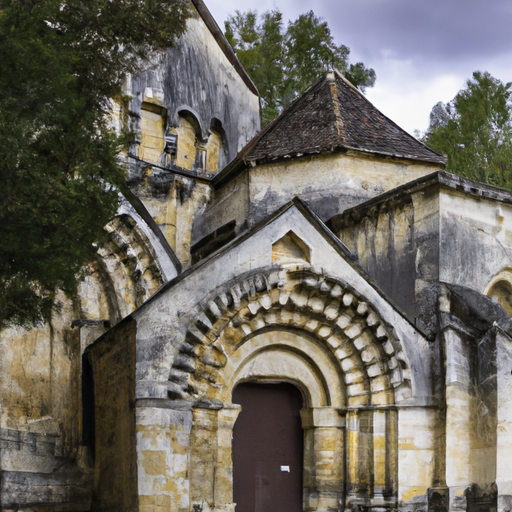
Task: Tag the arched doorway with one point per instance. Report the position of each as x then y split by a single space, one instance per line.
268 448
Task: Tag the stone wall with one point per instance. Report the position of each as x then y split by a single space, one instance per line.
197 77
114 444
328 184
242 316
427 232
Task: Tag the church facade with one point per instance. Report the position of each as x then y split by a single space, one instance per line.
310 317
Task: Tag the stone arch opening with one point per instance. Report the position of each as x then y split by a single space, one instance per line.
296 358
185 141
217 148
375 368
301 326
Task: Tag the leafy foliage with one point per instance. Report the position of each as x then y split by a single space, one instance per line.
475 131
284 63
61 65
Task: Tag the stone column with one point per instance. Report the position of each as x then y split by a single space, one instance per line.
223 490
372 455
504 412
379 453
385 461
416 453
459 417
203 456
211 463
323 458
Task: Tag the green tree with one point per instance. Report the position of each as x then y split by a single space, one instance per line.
284 63
475 131
61 65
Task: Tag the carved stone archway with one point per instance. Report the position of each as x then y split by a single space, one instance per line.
301 326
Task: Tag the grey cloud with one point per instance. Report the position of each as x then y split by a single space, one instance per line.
436 30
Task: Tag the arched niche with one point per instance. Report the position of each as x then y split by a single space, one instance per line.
216 149
499 290
191 148
152 141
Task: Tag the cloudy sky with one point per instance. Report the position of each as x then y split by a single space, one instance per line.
423 51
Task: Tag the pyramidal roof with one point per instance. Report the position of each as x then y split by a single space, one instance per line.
331 115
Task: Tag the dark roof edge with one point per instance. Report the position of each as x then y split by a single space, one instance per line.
465 185
141 209
223 43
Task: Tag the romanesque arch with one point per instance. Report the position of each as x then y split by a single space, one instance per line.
125 273
302 326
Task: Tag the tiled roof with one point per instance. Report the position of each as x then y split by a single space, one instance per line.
331 115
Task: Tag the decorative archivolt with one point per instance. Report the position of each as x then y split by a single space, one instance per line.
304 300
125 274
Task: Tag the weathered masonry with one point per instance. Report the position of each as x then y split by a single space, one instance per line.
310 317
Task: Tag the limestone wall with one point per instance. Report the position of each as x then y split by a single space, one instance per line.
113 387
174 202
39 415
329 184
43 459
425 235
197 77
397 243
446 230
243 316
476 239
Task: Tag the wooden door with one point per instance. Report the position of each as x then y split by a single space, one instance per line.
268 448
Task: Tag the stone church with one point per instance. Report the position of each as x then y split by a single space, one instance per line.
309 317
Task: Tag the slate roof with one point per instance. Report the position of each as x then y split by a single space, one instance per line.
331 115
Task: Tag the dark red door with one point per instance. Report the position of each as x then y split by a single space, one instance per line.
267 448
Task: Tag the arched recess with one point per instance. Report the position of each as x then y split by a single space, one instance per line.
301 326
499 290
217 148
125 273
190 140
286 356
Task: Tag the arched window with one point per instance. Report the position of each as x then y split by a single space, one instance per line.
216 154
191 149
499 290
152 142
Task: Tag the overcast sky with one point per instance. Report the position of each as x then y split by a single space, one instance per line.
423 51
